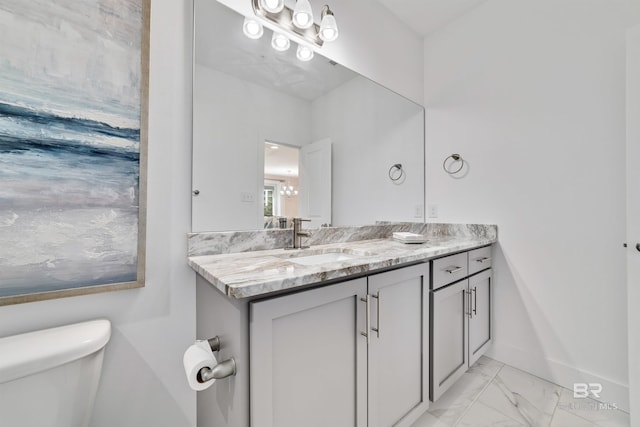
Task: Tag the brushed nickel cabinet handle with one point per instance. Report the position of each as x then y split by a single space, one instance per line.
366 334
475 300
453 269
377 328
468 295
483 259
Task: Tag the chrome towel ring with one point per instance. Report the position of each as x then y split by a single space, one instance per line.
396 172
455 158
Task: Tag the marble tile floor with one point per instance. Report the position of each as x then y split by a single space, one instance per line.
494 394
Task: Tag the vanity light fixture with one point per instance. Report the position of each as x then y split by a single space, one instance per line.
272 6
280 42
328 26
304 53
302 14
298 23
252 28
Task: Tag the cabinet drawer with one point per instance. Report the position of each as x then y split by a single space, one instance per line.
449 269
479 259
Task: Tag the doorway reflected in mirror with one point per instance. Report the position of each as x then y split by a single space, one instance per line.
281 184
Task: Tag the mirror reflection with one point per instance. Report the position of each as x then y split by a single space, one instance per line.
281 184
275 137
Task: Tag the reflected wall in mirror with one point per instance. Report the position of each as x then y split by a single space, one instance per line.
349 132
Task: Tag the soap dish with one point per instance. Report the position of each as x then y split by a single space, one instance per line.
405 237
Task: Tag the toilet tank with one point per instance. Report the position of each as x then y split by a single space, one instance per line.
49 378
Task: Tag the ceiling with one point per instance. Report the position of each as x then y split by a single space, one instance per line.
282 161
221 45
426 16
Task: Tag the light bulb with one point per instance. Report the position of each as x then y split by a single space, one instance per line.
280 42
302 20
252 28
304 53
302 14
328 26
272 6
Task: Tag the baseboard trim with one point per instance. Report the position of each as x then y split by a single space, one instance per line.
560 373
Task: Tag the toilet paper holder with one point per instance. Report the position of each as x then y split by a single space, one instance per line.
221 370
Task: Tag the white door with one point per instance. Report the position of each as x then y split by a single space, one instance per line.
633 218
314 197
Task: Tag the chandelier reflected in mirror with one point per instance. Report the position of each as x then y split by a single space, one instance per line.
288 190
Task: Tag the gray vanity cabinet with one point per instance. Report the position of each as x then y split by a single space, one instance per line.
449 357
313 365
398 377
480 319
461 316
308 359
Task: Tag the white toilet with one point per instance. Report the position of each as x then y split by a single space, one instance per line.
49 378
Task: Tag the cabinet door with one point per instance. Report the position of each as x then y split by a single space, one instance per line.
480 332
449 336
308 358
398 349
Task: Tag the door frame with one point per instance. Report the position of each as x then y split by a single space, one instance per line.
633 212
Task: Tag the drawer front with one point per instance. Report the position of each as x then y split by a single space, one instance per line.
449 269
479 259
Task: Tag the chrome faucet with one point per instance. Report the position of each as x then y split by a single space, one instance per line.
298 234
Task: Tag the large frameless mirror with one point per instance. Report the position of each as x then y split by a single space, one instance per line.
275 137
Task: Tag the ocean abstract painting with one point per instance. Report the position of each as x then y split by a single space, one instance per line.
72 85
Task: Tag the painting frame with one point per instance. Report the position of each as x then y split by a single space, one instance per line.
142 190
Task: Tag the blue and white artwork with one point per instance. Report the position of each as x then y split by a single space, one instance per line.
70 96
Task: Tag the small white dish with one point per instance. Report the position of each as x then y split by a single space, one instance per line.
406 237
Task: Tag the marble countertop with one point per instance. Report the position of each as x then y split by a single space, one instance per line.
250 274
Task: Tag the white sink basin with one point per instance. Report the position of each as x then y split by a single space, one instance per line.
322 258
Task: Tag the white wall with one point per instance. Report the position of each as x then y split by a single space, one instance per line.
143 380
232 119
532 95
372 42
371 129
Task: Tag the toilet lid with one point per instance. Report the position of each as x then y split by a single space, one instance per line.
32 352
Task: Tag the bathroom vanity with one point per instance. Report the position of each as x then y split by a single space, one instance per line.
359 329
370 328
461 307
